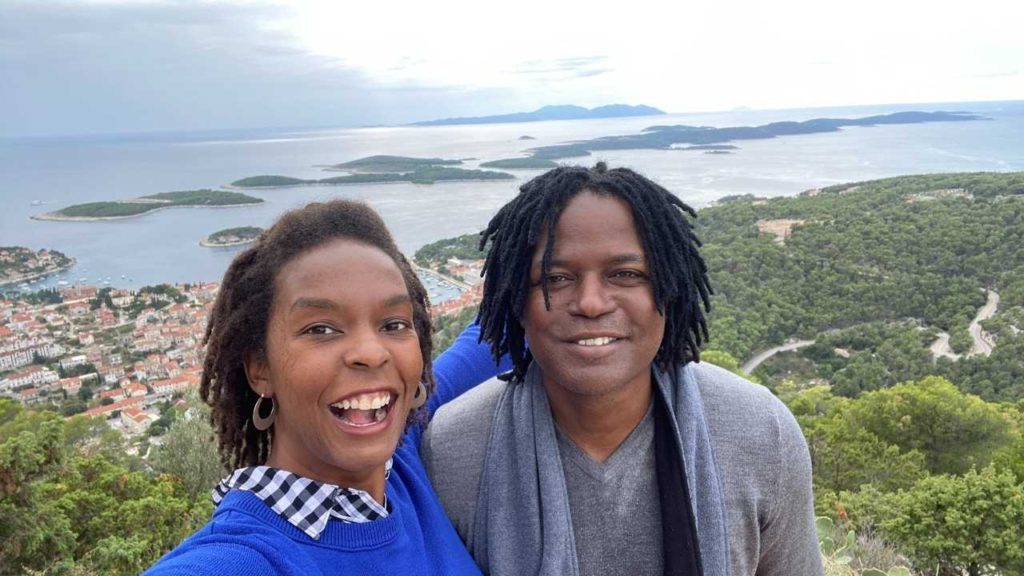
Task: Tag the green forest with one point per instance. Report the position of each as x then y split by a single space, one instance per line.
918 456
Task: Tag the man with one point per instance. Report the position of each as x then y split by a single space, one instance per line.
612 450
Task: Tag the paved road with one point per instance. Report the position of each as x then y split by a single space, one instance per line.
983 340
763 355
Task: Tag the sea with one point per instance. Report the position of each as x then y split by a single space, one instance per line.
43 174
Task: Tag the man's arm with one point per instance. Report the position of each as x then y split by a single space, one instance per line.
789 542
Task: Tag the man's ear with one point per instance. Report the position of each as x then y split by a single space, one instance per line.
258 373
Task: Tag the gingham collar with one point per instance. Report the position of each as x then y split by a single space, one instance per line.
304 503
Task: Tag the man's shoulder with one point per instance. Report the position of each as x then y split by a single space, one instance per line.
453 450
724 393
470 412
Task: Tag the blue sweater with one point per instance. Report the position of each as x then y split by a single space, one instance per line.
246 537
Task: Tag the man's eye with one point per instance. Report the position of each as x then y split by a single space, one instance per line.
557 278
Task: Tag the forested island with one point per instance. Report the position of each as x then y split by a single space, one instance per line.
19 264
525 163
143 204
378 170
918 450
670 137
232 237
565 112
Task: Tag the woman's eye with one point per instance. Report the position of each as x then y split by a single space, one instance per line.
396 325
320 330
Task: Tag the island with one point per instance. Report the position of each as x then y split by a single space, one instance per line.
231 237
671 137
525 163
113 210
566 112
387 163
526 137
379 169
19 264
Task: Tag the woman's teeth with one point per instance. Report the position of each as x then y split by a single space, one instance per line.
363 410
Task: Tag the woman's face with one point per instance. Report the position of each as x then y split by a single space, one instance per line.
342 363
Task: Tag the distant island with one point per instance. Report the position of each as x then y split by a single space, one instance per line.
231 237
136 206
20 264
386 163
566 112
670 137
528 162
378 170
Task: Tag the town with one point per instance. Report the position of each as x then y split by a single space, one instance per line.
129 356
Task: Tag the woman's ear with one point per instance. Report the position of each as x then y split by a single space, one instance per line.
258 373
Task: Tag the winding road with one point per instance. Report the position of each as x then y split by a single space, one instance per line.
983 340
750 365
983 343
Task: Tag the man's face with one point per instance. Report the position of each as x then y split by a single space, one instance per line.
603 330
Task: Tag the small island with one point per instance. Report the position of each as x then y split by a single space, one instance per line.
113 210
20 264
526 163
386 163
379 169
232 237
526 137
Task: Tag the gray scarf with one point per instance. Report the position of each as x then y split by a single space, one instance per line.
522 524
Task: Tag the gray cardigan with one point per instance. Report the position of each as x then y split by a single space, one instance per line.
761 454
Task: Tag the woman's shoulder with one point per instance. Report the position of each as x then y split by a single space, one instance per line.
232 542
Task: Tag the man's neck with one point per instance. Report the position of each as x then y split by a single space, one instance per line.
598 424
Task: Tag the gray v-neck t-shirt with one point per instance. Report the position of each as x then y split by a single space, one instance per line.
615 505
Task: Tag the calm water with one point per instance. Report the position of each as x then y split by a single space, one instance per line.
163 246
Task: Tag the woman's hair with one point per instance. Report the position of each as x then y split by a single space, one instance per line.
237 328
679 276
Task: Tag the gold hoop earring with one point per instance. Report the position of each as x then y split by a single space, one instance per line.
259 422
420 397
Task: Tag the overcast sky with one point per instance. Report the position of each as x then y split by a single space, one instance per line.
127 66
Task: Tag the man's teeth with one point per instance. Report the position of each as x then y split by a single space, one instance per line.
372 401
596 341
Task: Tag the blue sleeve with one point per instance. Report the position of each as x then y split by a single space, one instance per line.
465 364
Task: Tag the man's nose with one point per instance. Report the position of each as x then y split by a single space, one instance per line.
592 297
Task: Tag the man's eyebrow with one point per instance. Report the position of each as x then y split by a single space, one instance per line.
321 303
627 258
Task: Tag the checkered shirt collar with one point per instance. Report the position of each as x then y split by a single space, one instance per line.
304 503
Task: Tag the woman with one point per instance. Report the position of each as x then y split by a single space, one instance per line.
318 372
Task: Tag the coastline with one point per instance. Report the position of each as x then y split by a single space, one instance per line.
38 275
54 217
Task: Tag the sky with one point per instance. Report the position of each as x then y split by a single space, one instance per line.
112 66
